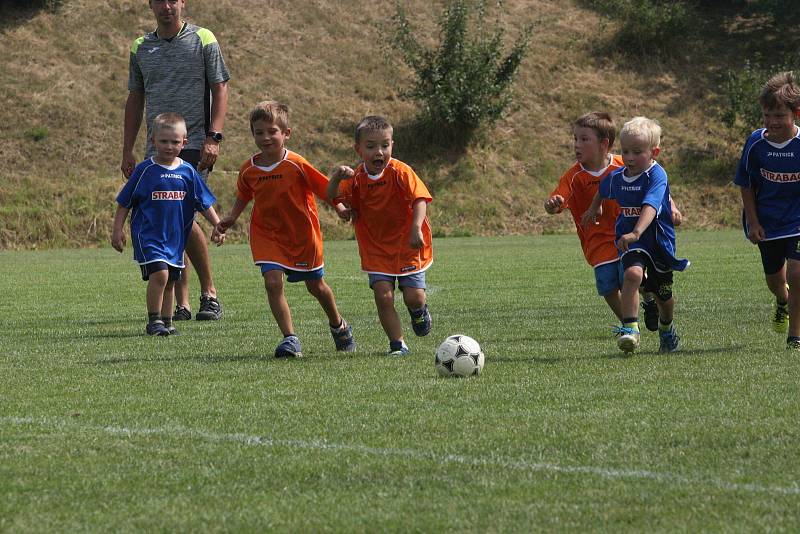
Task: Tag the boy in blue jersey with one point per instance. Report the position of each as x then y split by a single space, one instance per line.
645 231
163 192
769 177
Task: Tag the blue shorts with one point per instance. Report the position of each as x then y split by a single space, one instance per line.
608 277
416 280
291 274
155 266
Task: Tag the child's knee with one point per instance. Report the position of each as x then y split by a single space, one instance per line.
273 282
317 287
413 297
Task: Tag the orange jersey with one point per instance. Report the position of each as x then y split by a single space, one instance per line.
384 207
578 187
284 226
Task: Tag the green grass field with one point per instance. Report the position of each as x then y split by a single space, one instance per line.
105 429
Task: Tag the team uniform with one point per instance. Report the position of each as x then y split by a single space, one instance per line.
578 186
163 201
284 226
655 249
772 171
384 208
175 75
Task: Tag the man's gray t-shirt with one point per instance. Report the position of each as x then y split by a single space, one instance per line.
175 76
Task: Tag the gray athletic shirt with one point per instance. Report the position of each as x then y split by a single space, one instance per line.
175 76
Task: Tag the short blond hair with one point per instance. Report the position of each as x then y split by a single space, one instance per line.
642 128
372 123
270 111
169 121
780 90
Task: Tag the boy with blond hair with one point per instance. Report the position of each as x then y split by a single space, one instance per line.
285 235
769 177
388 204
593 135
163 192
645 234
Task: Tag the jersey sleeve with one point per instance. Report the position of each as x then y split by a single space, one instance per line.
564 188
243 190
203 197
414 187
317 182
216 70
135 78
605 189
127 197
345 191
656 188
743 176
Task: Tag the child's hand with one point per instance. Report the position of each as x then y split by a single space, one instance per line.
590 216
677 216
343 172
118 240
624 242
217 236
223 224
755 232
343 211
416 239
553 204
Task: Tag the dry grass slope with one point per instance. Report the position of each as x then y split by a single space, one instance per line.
63 80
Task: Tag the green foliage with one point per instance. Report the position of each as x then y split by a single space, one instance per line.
49 5
648 26
464 81
38 133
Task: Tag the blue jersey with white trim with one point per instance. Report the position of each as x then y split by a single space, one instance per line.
632 193
772 171
162 201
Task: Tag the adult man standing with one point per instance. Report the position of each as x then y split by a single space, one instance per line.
179 68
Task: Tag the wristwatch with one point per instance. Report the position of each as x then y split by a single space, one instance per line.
216 136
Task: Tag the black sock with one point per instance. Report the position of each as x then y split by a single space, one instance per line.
153 317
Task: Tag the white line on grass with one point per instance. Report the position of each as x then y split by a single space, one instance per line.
494 461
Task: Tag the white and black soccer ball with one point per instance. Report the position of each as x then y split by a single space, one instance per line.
460 356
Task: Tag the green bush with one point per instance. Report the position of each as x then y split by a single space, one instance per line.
50 5
648 26
465 81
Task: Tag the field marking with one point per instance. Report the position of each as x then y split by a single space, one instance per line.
321 445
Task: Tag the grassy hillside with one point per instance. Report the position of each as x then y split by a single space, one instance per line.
63 86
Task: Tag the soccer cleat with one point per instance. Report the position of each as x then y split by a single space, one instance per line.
628 338
182 313
289 348
650 314
668 340
210 309
793 343
156 328
402 351
421 321
780 321
343 338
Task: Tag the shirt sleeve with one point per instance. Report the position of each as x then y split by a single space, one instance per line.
203 197
414 187
216 70
317 181
564 188
605 189
135 78
127 197
656 188
743 176
243 190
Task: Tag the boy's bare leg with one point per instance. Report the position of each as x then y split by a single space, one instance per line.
156 285
182 285
666 310
273 282
793 276
197 250
414 297
384 300
776 283
630 291
323 293
614 301
166 304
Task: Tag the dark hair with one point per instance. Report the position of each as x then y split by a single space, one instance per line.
372 123
601 123
780 90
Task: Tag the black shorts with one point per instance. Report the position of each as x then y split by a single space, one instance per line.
656 282
154 267
775 252
192 157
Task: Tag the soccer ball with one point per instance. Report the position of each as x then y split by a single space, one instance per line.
459 355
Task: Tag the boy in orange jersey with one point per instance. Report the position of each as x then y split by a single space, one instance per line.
593 135
388 204
285 235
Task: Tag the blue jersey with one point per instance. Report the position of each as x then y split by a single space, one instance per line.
632 193
162 201
772 171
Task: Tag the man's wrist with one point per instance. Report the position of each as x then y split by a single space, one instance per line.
214 136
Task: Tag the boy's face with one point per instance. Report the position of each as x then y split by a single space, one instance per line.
589 148
779 122
168 143
270 137
637 154
375 149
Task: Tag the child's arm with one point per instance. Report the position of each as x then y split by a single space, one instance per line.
420 208
211 216
222 225
118 233
594 210
755 232
646 217
343 172
677 216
